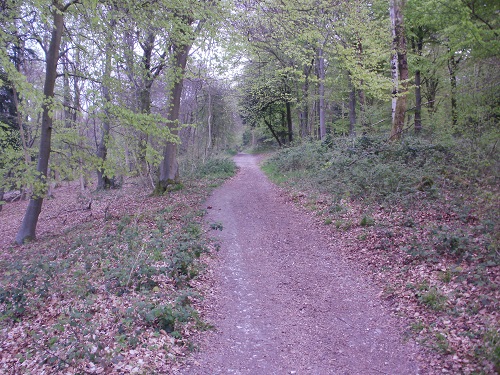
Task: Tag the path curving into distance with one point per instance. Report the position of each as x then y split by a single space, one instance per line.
284 302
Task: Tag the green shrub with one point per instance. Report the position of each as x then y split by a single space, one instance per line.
365 167
433 298
367 221
216 167
449 242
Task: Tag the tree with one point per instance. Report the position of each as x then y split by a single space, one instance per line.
169 167
103 179
8 115
399 64
27 230
189 22
447 37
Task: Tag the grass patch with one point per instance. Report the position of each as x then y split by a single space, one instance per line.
216 167
213 170
433 299
367 221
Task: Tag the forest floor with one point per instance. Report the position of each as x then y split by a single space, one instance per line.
109 285
115 287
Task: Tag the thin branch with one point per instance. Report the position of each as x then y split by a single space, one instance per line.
74 75
65 8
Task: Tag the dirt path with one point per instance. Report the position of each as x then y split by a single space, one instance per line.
284 302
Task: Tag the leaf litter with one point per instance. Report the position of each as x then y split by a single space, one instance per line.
437 271
110 285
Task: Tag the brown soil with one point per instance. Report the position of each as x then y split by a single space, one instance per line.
284 301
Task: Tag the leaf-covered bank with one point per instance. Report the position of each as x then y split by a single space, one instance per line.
110 286
422 219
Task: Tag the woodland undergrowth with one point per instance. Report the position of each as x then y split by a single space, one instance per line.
422 219
116 292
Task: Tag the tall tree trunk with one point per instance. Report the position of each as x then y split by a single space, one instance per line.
418 102
76 88
401 77
417 47
289 121
352 107
22 134
169 167
283 125
145 96
27 230
394 67
362 108
321 91
431 84
361 93
74 117
103 180
66 93
304 111
209 122
452 69
15 97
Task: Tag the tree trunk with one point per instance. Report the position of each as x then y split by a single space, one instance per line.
66 93
74 117
401 76
321 91
169 167
431 84
418 83
22 134
27 230
352 107
76 88
289 122
418 103
209 122
103 180
361 93
394 65
362 108
452 69
145 97
270 127
304 112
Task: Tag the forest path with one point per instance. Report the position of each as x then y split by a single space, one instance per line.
283 301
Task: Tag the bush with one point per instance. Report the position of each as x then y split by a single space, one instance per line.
218 167
365 167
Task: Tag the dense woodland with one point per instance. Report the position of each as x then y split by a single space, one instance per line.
388 103
97 87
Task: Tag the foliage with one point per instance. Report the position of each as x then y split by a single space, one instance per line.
367 167
215 167
433 298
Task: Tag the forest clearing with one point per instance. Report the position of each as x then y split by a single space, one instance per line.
252 187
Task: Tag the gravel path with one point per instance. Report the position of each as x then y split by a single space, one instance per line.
283 301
